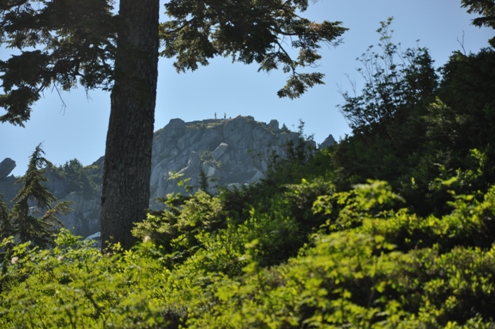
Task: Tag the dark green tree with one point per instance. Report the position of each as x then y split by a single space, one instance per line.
63 42
5 224
396 82
25 225
386 116
5 232
415 129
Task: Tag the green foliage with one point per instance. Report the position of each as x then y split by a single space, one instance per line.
248 31
316 243
5 224
80 179
175 230
25 225
358 278
207 157
349 209
284 129
6 231
389 269
61 43
79 287
484 8
395 82
410 128
299 161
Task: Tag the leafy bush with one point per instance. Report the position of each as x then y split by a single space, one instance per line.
388 269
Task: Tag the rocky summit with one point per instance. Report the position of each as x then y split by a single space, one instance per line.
222 152
227 152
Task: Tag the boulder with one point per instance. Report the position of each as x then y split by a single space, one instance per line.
219 151
274 126
6 167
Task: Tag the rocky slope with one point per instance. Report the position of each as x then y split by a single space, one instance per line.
225 151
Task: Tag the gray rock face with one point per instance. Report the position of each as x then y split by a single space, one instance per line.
6 167
329 141
85 216
9 189
229 152
233 151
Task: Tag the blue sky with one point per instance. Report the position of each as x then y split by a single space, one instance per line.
74 124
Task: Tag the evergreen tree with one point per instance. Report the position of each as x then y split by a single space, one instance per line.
5 224
411 127
66 41
26 226
5 232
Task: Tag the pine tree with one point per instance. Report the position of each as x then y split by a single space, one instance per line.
5 224
5 232
65 42
27 227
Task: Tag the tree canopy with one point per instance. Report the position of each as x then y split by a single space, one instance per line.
56 44
63 43
485 8
248 31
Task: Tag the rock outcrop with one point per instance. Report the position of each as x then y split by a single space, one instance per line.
234 151
6 167
85 216
329 141
225 151
8 186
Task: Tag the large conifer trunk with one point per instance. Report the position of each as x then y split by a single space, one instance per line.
126 174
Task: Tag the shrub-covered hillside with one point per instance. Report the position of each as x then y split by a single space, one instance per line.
394 227
303 257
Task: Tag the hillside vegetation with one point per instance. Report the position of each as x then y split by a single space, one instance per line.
393 227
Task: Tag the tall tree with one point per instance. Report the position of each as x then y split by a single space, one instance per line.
25 225
82 40
127 167
5 232
5 224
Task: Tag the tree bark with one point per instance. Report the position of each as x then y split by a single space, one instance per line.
126 174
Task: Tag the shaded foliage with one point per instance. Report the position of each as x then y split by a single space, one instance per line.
411 127
80 179
485 8
61 43
25 226
248 31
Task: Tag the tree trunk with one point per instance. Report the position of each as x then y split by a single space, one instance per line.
126 174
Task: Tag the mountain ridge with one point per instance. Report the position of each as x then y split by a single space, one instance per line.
227 152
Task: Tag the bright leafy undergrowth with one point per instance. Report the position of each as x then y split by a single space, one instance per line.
366 263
